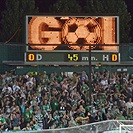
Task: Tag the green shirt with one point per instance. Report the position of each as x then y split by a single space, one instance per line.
46 107
118 86
54 106
87 108
35 127
121 117
28 115
3 120
59 79
85 87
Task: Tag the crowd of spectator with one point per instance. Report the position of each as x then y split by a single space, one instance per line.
42 101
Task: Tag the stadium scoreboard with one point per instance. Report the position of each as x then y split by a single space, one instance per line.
65 40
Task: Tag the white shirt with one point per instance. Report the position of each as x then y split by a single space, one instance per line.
8 88
15 88
129 104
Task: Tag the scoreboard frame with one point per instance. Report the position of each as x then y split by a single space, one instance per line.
70 56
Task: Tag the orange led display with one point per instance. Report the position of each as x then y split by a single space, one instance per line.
72 30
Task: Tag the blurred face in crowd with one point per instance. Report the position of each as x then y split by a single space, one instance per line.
130 99
45 102
83 73
99 113
115 103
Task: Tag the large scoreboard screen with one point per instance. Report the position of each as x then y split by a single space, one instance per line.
69 37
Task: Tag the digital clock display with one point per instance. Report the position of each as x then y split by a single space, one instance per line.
72 57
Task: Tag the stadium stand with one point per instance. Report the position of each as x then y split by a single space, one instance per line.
32 102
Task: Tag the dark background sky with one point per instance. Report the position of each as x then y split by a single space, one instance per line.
44 6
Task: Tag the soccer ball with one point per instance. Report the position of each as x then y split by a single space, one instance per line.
81 31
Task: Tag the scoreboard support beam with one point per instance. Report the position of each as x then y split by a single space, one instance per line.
90 86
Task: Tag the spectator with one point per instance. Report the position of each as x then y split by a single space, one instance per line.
15 121
39 119
83 77
100 116
129 105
